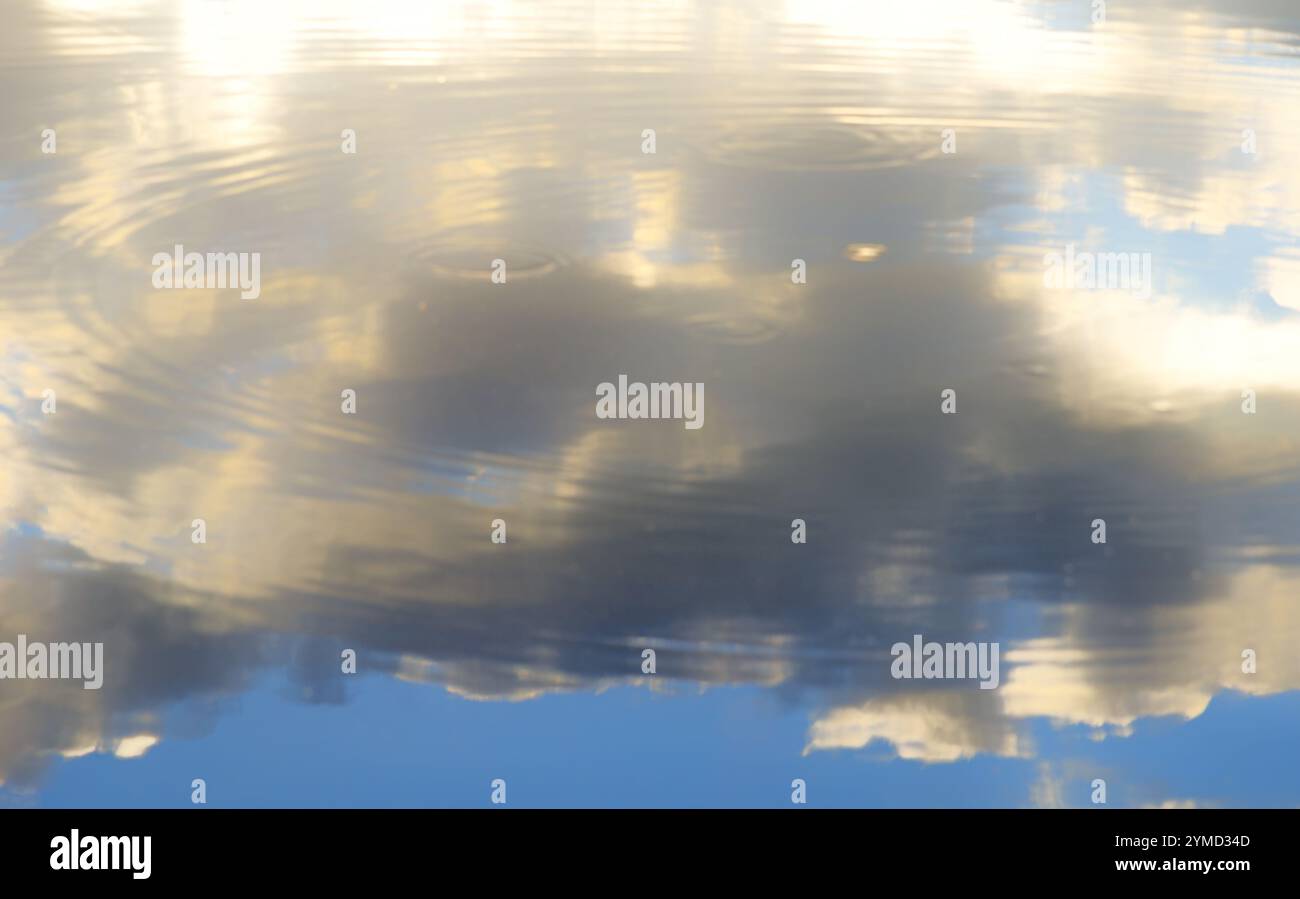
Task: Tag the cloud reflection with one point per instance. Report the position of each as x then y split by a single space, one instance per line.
475 401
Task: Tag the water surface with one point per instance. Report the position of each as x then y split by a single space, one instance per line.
783 131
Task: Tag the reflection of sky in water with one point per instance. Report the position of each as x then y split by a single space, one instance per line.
784 130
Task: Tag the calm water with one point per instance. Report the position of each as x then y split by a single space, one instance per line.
783 131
